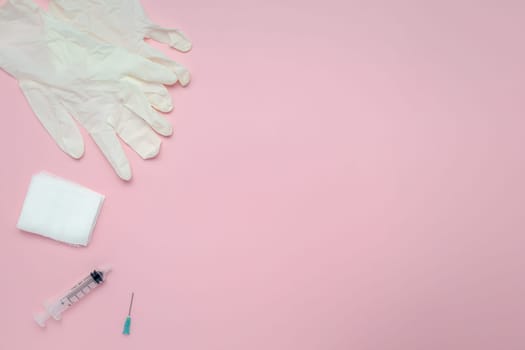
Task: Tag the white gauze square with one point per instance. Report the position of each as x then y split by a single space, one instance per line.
60 210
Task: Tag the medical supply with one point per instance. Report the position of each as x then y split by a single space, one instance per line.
60 210
108 90
56 307
123 23
127 323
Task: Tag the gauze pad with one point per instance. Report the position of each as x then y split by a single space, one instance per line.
60 210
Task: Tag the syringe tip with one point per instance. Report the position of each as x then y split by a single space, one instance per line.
41 318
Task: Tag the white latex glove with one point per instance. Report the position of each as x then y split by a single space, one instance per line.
65 73
123 23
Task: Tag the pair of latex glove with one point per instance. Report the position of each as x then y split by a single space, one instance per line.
87 59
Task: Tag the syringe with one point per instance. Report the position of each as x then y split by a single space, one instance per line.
55 308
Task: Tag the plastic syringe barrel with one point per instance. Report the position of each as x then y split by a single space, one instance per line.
57 307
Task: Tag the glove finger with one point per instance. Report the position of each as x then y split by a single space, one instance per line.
156 94
183 74
54 117
107 141
160 100
138 105
172 37
144 69
152 54
137 134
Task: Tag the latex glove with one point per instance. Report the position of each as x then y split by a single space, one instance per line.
123 23
65 73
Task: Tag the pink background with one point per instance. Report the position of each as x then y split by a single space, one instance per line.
344 175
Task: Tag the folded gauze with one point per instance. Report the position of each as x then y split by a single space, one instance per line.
60 210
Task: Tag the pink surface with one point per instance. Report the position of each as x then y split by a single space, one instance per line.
344 175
